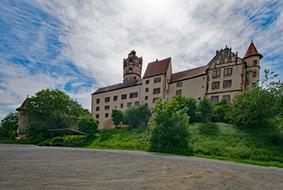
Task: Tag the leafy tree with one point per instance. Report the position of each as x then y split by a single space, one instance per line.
50 109
117 117
191 105
9 125
169 126
220 112
137 116
205 110
253 108
88 124
37 131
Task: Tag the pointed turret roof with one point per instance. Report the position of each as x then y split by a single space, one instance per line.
252 51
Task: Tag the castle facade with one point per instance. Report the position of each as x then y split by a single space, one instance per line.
225 76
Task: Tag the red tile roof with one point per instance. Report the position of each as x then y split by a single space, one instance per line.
157 68
188 73
251 51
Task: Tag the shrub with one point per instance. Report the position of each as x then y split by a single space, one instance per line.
204 110
220 112
88 124
36 132
253 108
137 116
9 125
191 105
169 126
117 117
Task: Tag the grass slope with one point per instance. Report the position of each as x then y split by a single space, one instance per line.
214 140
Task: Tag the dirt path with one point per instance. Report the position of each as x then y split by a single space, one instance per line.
32 167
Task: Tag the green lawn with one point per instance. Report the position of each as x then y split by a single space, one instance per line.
215 140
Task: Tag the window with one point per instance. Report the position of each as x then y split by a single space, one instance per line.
253 85
216 73
130 69
146 97
115 98
215 85
227 83
146 89
199 98
121 105
97 116
156 91
107 115
106 107
133 94
254 74
129 104
107 99
254 62
214 99
178 92
137 103
147 82
179 84
227 71
97 100
226 98
97 109
146 104
157 80
155 100
124 96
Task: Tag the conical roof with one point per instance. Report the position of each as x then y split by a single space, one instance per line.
252 51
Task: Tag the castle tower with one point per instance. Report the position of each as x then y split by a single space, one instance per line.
252 59
132 67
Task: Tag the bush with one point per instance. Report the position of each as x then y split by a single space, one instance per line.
220 112
9 126
191 105
204 110
36 132
88 124
169 126
253 108
137 116
117 117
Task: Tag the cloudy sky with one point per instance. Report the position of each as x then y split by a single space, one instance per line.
78 46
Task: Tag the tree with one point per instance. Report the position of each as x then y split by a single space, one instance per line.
50 109
191 105
169 126
137 116
253 108
220 111
9 125
205 110
117 117
88 124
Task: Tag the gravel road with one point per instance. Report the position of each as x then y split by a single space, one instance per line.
32 167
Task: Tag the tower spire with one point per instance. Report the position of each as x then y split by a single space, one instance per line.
251 51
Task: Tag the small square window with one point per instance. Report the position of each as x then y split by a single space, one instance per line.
133 94
215 85
227 83
216 73
214 99
254 62
156 91
124 96
147 82
97 100
146 89
97 108
115 98
106 115
137 103
97 116
254 74
157 80
107 107
107 99
227 71
226 98
179 83
179 93
146 97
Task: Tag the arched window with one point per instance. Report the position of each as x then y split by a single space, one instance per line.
179 93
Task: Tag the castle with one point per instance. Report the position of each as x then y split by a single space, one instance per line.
225 76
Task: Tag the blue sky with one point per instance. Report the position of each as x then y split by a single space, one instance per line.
78 46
